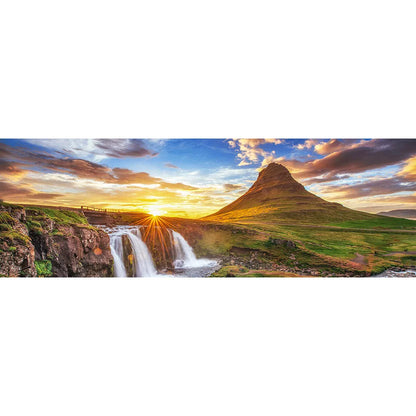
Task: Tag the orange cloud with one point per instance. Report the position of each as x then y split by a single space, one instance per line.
409 171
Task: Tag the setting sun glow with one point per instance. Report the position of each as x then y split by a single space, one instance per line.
156 212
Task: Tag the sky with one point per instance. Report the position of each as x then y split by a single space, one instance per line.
196 177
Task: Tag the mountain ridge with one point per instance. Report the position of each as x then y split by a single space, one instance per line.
277 194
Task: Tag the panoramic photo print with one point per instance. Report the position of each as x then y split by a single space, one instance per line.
207 207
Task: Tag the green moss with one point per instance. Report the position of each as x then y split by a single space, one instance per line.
5 227
34 226
32 223
6 218
43 268
6 204
12 248
57 232
59 216
14 237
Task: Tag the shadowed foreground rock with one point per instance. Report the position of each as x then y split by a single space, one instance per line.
38 242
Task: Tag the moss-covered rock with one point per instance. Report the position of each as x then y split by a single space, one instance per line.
41 241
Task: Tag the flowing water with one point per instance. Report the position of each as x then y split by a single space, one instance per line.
392 273
143 262
116 246
184 255
185 262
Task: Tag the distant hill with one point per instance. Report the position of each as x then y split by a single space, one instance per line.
400 213
276 195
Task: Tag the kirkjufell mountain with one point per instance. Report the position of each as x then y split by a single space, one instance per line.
276 194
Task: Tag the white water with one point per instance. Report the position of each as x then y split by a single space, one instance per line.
185 256
143 262
116 247
185 263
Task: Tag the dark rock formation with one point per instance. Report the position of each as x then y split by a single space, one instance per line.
67 249
128 257
17 253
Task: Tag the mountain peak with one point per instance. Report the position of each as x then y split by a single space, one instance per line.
275 172
276 195
274 181
274 186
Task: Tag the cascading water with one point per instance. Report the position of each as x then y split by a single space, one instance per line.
185 256
116 246
186 264
143 262
142 259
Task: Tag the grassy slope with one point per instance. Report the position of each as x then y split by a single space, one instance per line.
334 243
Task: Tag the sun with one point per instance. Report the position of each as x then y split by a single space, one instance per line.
156 212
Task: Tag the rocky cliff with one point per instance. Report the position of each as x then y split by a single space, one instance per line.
46 242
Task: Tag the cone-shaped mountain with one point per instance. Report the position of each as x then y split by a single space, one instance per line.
277 193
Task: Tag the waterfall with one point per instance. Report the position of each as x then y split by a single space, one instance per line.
143 262
116 247
185 261
184 255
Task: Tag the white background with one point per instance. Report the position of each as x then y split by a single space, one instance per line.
207 346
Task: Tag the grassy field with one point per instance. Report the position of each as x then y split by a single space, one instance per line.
360 247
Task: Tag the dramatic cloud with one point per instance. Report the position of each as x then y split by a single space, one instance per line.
376 187
83 169
21 194
99 149
120 148
334 145
357 173
360 157
11 169
409 171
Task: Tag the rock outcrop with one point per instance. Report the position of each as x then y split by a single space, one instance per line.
41 242
17 253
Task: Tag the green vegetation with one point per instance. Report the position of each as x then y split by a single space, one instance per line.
12 248
325 250
13 206
57 232
5 227
57 215
6 218
14 237
38 216
34 226
379 222
43 268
